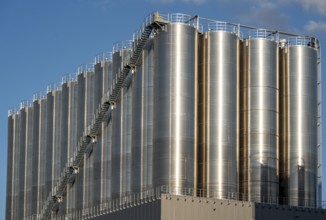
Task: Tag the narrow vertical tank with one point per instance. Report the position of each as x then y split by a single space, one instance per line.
28 163
80 130
221 96
299 135
16 151
106 165
98 83
20 174
121 144
72 140
142 121
10 165
49 142
89 115
259 118
42 153
175 112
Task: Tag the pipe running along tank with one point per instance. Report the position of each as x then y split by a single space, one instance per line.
259 133
220 83
175 112
299 122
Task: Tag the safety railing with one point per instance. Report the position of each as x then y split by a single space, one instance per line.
302 41
128 44
222 26
72 77
262 34
105 56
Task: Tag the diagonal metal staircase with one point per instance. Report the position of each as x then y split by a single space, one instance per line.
153 22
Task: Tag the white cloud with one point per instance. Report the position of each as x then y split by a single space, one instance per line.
315 27
318 6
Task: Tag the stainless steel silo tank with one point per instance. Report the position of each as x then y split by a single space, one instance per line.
16 159
259 112
175 113
121 136
72 139
89 115
299 113
106 165
221 97
42 152
142 121
29 159
10 165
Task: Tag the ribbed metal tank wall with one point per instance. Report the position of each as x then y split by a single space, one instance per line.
259 133
121 144
80 129
175 113
98 83
16 139
28 163
72 140
42 153
10 166
56 156
299 134
21 164
142 122
49 142
221 110
106 165
35 156
89 159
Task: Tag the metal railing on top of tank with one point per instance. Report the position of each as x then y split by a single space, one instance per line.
39 96
262 34
103 57
128 44
53 87
302 41
86 68
12 111
72 77
222 26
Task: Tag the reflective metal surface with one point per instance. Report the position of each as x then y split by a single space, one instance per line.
10 167
142 122
299 133
259 133
175 114
221 113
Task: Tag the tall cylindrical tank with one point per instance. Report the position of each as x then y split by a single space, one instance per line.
20 174
221 97
299 124
142 122
121 144
49 142
89 115
28 211
72 141
16 151
80 130
259 133
10 166
98 83
106 170
41 198
175 113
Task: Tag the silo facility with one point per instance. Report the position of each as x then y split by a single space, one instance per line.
299 110
193 118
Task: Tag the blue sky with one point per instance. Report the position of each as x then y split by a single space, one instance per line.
41 40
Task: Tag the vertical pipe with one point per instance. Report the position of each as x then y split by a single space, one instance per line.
10 167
